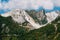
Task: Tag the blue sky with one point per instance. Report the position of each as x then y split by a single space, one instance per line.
4 0
48 5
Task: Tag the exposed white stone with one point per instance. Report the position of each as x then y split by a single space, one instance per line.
51 16
17 16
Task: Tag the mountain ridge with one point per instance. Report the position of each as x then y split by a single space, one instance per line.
21 16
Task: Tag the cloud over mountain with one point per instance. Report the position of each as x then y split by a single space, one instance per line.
30 4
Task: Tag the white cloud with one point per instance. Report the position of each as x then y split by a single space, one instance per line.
30 4
1 6
48 4
56 2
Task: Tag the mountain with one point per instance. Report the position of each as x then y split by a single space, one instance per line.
12 29
35 19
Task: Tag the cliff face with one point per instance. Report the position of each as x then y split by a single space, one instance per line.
41 17
17 15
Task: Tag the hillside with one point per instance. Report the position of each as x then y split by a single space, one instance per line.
11 30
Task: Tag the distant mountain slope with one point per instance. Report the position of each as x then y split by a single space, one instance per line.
11 30
35 19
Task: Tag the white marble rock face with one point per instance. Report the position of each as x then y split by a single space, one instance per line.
17 16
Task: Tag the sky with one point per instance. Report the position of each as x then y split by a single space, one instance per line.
48 5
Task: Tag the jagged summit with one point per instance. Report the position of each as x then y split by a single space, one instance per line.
17 16
41 17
